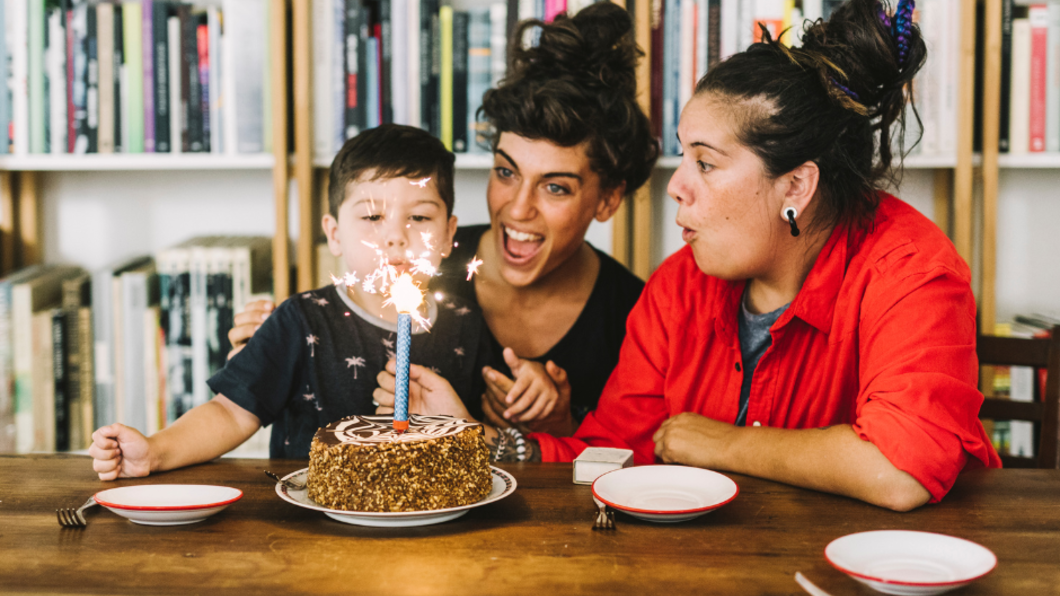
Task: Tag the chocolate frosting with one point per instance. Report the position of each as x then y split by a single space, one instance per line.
366 430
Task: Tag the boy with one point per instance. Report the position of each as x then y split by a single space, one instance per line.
316 357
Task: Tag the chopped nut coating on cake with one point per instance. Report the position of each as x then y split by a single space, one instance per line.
361 464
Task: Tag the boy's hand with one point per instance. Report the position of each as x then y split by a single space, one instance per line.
429 393
538 398
247 322
119 451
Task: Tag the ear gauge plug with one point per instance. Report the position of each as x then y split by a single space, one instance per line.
789 214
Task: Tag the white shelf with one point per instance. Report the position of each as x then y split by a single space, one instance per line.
464 161
145 161
1028 160
913 162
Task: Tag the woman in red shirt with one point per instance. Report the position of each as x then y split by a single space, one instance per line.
815 330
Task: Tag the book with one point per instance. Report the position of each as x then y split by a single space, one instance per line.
133 88
445 77
323 119
386 61
413 109
35 76
176 108
686 54
373 110
1006 76
214 99
498 43
91 128
460 81
77 78
245 45
8 429
1052 78
353 107
104 330
55 81
190 93
218 306
202 46
429 69
658 49
77 362
1038 16
107 75
160 54
31 302
153 375
61 402
16 39
139 291
121 124
479 72
1019 103
174 280
147 62
713 33
702 29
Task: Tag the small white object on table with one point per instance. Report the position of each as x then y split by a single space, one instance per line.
597 461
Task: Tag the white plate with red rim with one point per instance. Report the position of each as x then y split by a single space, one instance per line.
910 563
503 485
168 504
664 493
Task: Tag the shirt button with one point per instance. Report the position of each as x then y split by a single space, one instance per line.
757 423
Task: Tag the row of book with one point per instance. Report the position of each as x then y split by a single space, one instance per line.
414 62
1019 383
134 76
1030 78
688 37
132 343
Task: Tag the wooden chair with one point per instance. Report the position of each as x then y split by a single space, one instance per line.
1044 411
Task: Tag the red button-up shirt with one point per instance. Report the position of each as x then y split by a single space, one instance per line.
881 336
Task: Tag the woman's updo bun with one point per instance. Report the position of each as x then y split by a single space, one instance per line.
838 101
576 84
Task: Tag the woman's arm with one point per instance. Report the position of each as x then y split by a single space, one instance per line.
832 459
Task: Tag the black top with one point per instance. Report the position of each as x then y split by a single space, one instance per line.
315 360
589 351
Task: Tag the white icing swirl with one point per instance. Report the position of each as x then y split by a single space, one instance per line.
379 429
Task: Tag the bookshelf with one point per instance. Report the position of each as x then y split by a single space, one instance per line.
21 230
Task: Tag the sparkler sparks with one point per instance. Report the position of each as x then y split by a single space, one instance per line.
420 183
472 266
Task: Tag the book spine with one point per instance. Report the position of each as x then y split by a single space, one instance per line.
202 38
671 65
1052 80
399 59
85 383
91 130
199 350
428 96
35 77
147 61
436 70
1006 76
179 360
134 303
121 124
71 362
58 101
59 379
1039 21
245 35
386 57
687 54
42 385
151 373
445 87
7 85
713 33
322 104
363 74
337 92
105 36
216 65
77 77
460 81
658 46
160 40
132 19
103 349
498 43
413 109
1019 119
478 74
17 34
176 108
372 91
191 127
354 105
702 27
7 378
22 347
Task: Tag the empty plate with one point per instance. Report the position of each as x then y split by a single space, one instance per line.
168 504
911 563
665 493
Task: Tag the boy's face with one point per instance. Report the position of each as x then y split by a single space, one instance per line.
398 218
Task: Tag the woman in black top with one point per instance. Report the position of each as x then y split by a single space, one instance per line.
569 142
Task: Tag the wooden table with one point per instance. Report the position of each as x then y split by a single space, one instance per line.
537 541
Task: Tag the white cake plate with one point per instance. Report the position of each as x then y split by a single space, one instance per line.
503 485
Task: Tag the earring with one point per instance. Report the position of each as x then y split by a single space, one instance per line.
790 214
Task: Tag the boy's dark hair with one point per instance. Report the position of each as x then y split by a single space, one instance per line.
833 102
391 151
578 84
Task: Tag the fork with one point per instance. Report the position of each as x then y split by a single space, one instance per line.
291 484
605 518
74 518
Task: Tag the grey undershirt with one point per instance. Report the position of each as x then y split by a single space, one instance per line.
754 339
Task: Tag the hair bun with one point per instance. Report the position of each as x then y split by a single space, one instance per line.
595 46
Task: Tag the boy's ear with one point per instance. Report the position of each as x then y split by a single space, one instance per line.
331 231
609 202
452 233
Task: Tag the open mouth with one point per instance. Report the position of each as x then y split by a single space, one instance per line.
521 247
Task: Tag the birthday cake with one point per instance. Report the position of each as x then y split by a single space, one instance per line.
361 463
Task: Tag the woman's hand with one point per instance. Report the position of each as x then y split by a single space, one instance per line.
120 451
429 393
693 440
538 399
247 322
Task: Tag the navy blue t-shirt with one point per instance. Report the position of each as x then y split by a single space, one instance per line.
315 360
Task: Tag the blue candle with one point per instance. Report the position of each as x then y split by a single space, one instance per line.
401 391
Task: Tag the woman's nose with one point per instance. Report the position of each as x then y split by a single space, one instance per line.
676 188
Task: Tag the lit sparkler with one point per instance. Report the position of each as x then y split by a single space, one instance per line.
472 266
